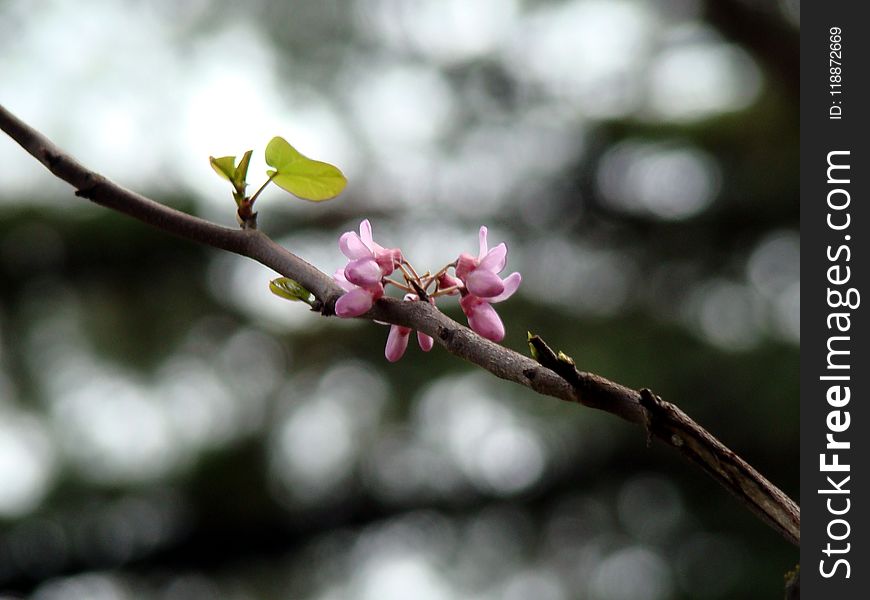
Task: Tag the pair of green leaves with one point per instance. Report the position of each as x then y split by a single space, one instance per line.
226 167
293 171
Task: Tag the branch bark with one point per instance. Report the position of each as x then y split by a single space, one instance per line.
554 375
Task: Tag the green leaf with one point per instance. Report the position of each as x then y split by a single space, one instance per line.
237 175
240 174
280 154
224 166
301 176
290 290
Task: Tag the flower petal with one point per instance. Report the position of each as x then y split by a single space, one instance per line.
354 303
485 321
365 233
483 283
468 303
481 237
397 342
425 341
511 283
342 281
446 281
495 259
363 271
352 246
388 259
465 264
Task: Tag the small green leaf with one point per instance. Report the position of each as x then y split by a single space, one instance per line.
301 176
565 358
224 166
240 174
290 290
532 348
237 175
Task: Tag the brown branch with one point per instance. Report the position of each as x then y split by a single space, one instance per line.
554 376
676 429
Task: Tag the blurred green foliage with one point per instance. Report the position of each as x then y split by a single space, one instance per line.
171 429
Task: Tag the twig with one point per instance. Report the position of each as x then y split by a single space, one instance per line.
668 423
554 376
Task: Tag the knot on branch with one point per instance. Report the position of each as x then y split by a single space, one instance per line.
446 333
561 363
50 158
654 406
326 307
246 218
88 185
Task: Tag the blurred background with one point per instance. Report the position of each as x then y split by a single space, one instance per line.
171 430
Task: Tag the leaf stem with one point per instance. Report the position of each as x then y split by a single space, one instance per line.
262 187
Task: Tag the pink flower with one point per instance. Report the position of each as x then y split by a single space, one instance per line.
363 271
475 279
446 281
361 278
482 317
369 261
480 275
397 340
357 299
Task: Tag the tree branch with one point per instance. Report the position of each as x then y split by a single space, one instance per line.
676 429
554 376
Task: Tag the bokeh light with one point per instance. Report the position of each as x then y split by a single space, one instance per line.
27 463
663 181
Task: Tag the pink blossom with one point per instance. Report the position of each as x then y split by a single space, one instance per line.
357 299
363 271
446 281
480 275
426 342
369 261
482 317
476 279
397 340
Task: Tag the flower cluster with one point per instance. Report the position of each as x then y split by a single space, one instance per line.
362 278
476 280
